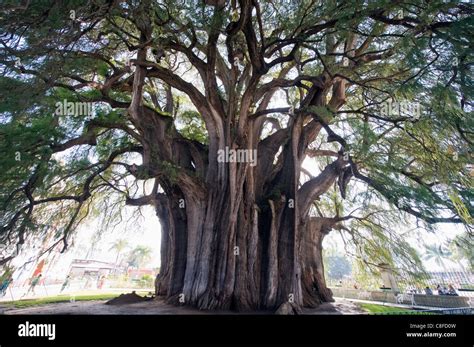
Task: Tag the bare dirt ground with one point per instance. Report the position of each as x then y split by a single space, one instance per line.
158 307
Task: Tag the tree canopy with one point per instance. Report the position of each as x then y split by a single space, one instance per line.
361 113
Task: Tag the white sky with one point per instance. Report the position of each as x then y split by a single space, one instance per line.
144 231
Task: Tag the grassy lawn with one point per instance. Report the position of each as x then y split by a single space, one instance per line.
379 309
62 298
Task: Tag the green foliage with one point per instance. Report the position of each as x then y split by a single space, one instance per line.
139 256
119 245
147 281
191 126
416 164
6 273
170 170
382 309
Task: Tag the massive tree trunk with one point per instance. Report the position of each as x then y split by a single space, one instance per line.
235 235
242 237
253 262
315 291
238 245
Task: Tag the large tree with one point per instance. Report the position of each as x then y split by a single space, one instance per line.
175 84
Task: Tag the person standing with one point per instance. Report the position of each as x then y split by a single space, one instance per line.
4 285
66 283
101 282
34 283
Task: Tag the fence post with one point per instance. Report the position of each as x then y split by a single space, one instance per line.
11 294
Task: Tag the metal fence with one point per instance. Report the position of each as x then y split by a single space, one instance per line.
411 299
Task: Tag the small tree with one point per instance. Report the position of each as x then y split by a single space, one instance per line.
119 246
139 256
